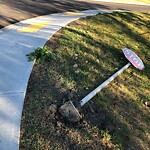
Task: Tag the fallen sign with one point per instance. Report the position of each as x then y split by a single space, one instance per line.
71 113
133 58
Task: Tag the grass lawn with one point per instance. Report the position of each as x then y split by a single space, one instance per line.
85 53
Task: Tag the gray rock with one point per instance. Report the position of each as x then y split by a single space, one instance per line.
53 108
69 112
51 111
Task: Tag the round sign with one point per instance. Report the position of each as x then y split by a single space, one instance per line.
133 58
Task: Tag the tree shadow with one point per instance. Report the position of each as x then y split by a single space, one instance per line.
24 9
120 116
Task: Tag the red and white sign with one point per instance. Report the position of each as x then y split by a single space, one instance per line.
133 58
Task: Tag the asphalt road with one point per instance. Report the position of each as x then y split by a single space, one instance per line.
12 11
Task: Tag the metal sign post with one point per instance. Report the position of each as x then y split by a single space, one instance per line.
133 59
69 111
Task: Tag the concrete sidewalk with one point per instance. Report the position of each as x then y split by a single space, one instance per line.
15 42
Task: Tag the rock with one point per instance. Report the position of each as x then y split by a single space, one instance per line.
69 112
53 108
77 71
51 111
147 103
75 65
59 124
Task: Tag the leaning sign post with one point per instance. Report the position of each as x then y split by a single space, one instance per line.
70 112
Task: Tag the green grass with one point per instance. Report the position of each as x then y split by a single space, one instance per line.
87 52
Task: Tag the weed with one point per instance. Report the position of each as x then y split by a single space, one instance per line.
41 55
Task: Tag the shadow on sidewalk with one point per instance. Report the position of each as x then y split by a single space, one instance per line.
14 11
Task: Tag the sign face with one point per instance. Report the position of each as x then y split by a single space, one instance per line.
133 58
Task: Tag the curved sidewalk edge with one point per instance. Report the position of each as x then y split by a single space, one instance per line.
15 42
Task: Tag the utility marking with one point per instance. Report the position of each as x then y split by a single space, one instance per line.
73 14
34 27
